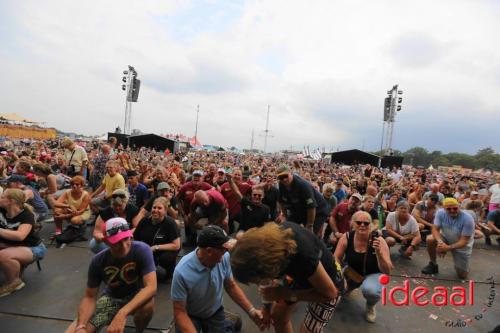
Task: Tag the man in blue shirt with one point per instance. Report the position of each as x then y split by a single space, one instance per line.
452 231
138 192
198 283
340 193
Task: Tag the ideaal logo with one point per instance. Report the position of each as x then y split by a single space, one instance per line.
459 296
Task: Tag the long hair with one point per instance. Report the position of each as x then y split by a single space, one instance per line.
19 197
262 253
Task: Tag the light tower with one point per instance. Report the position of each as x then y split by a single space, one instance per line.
392 103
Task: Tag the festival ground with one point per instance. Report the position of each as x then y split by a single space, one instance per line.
50 299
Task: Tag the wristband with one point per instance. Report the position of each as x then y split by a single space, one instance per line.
252 311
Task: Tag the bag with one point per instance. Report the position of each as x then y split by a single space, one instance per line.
71 234
352 275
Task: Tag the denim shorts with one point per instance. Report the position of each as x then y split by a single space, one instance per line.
39 251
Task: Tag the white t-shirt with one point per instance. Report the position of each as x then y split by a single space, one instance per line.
495 193
409 228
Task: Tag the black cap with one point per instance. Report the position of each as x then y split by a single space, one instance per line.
212 236
434 197
132 173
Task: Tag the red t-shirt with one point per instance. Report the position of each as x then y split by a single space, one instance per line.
343 217
186 194
217 200
232 199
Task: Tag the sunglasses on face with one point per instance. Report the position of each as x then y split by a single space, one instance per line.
76 185
282 177
123 196
113 231
257 195
452 209
366 224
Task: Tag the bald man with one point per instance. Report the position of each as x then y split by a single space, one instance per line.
209 204
452 231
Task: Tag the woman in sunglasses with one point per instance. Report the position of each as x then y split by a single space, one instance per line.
73 205
366 256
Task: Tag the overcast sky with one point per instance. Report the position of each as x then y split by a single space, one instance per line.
323 66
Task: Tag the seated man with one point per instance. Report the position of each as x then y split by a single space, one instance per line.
113 180
453 231
127 269
211 205
493 226
198 283
402 228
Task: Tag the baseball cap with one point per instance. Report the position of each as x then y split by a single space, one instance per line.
163 186
132 173
357 196
434 197
119 196
283 169
474 193
197 173
212 236
116 229
221 170
340 181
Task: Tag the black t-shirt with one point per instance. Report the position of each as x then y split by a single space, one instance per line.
164 232
372 212
271 197
130 212
253 215
310 251
24 217
300 197
149 205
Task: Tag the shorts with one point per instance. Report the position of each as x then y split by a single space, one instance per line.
39 251
106 309
319 314
460 259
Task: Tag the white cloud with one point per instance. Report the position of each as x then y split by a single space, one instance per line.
324 67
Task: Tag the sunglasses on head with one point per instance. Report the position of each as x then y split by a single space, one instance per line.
366 224
123 196
113 231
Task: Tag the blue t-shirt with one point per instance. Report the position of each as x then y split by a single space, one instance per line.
199 286
138 195
122 277
454 228
494 216
340 194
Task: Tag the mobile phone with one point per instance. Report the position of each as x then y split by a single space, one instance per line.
374 235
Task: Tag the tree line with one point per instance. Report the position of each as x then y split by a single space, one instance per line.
419 156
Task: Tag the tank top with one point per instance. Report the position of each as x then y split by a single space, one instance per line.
355 259
76 203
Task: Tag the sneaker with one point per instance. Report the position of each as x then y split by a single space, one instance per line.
235 319
370 314
487 240
431 268
8 289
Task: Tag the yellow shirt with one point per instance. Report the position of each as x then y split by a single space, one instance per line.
113 183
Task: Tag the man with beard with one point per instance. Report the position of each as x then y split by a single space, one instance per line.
340 219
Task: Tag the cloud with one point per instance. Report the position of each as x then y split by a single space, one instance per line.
323 66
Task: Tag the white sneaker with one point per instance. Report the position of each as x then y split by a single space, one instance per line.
370 314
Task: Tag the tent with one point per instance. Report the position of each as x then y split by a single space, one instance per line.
354 156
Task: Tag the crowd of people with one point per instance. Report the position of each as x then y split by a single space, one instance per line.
302 230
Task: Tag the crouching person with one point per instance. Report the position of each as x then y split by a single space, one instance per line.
127 269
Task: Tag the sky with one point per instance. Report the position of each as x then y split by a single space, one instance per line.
323 66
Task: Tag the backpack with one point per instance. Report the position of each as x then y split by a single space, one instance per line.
71 234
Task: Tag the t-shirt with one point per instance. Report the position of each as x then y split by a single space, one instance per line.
216 206
123 276
454 228
494 216
113 183
271 196
186 194
342 216
232 199
425 212
199 286
253 215
310 252
340 194
410 227
24 217
495 194
373 213
130 212
164 232
138 195
300 197
75 157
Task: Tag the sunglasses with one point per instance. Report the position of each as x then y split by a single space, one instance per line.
282 177
257 195
123 196
366 224
113 231
452 209
76 185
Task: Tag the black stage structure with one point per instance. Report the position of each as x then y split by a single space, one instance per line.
145 140
356 156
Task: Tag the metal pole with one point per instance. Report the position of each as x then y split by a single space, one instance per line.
382 141
267 128
196 127
251 142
